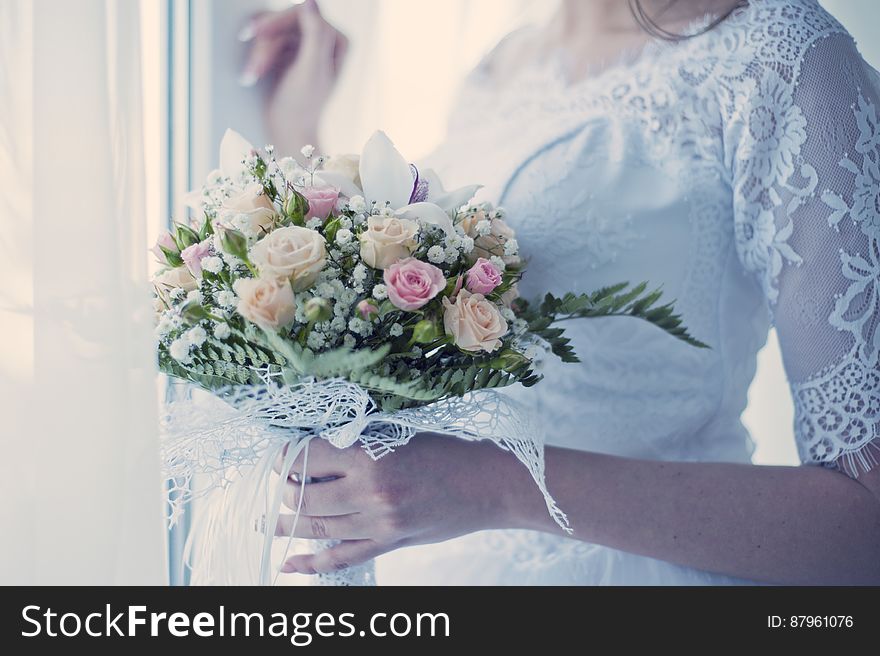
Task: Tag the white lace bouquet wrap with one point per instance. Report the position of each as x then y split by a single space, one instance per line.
230 446
353 300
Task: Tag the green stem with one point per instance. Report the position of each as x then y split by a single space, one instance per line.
304 333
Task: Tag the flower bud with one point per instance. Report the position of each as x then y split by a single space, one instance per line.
193 312
234 243
296 207
368 310
185 236
317 309
425 332
508 360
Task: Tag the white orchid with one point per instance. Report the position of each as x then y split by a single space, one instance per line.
234 149
386 177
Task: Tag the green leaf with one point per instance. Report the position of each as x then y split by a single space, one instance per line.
185 236
296 207
172 257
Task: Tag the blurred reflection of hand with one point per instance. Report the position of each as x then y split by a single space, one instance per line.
299 54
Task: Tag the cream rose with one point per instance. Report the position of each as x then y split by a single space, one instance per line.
387 239
509 297
470 221
296 253
253 203
473 322
266 302
167 281
345 165
493 243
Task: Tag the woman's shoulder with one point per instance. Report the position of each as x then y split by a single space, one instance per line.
774 34
508 54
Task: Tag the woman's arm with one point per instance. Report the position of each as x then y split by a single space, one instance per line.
796 525
799 525
299 55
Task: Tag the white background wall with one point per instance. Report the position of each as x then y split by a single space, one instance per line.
402 76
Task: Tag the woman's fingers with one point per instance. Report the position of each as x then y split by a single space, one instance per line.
318 37
264 56
344 527
324 460
276 39
327 498
341 556
271 24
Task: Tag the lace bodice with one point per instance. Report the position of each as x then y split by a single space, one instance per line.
758 140
740 170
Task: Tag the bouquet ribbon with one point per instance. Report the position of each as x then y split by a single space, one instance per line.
219 457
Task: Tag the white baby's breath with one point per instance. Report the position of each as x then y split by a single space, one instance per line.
316 340
359 326
498 262
380 292
396 330
226 298
196 335
179 350
483 227
222 330
343 236
357 204
436 254
194 296
212 264
164 326
453 241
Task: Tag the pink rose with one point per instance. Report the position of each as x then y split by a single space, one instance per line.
322 201
166 241
412 283
367 310
192 256
483 277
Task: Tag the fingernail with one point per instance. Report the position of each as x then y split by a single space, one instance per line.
247 33
248 79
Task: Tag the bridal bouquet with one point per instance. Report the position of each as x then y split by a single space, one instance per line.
352 299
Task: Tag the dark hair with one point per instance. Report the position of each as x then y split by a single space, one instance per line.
652 27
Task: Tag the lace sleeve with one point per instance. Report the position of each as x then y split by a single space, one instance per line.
805 171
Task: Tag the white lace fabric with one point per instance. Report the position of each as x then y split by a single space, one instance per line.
804 143
777 108
740 170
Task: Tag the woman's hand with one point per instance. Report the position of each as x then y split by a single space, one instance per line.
434 489
300 55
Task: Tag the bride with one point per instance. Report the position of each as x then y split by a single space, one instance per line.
728 151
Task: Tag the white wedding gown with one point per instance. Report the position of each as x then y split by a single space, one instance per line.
740 170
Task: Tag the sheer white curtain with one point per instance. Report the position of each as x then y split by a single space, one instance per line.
80 494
